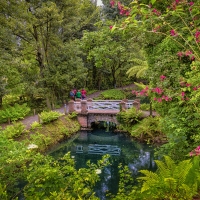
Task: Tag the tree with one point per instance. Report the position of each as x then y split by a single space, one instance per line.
41 29
110 54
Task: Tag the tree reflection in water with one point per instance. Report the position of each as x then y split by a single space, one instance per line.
132 154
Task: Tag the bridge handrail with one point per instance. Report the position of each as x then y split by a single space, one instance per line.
107 104
103 104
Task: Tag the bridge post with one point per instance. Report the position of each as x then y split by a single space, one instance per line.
89 103
136 104
122 106
71 106
83 107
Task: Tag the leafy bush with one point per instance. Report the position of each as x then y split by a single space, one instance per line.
14 113
73 115
14 131
144 106
113 94
50 116
10 99
149 129
35 125
129 117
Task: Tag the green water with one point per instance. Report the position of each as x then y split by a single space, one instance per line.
85 146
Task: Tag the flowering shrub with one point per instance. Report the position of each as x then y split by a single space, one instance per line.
195 152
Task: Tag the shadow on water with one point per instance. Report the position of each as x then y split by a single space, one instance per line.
92 145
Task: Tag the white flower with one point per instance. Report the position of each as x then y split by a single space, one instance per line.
32 146
72 156
98 171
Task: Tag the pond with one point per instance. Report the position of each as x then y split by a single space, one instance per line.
91 145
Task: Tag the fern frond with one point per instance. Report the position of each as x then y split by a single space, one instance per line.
182 170
150 179
163 170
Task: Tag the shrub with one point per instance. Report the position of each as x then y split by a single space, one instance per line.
129 117
14 131
35 125
14 113
144 106
148 129
113 94
50 116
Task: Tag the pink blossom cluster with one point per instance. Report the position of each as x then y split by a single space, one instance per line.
143 92
197 36
173 33
185 84
157 90
112 3
156 12
123 10
187 53
195 152
165 98
162 77
176 2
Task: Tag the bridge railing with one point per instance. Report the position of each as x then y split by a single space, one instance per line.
107 104
83 106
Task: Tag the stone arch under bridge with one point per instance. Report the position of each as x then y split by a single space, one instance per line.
101 117
86 120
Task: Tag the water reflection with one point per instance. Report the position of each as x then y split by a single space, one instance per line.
92 145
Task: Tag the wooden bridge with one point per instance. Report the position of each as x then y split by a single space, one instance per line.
99 110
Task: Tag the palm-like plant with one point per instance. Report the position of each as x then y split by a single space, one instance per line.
139 69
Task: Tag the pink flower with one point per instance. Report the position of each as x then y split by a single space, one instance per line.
180 54
112 3
154 98
182 94
188 84
191 3
197 34
192 153
156 12
173 33
187 53
111 27
195 88
157 90
159 100
162 77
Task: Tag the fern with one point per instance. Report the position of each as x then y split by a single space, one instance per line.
170 180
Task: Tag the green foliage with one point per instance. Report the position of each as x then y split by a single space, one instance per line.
113 94
126 189
47 117
144 106
10 99
35 125
3 193
129 117
14 131
170 181
14 113
73 115
50 179
149 129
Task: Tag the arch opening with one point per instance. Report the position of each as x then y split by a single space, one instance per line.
104 125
